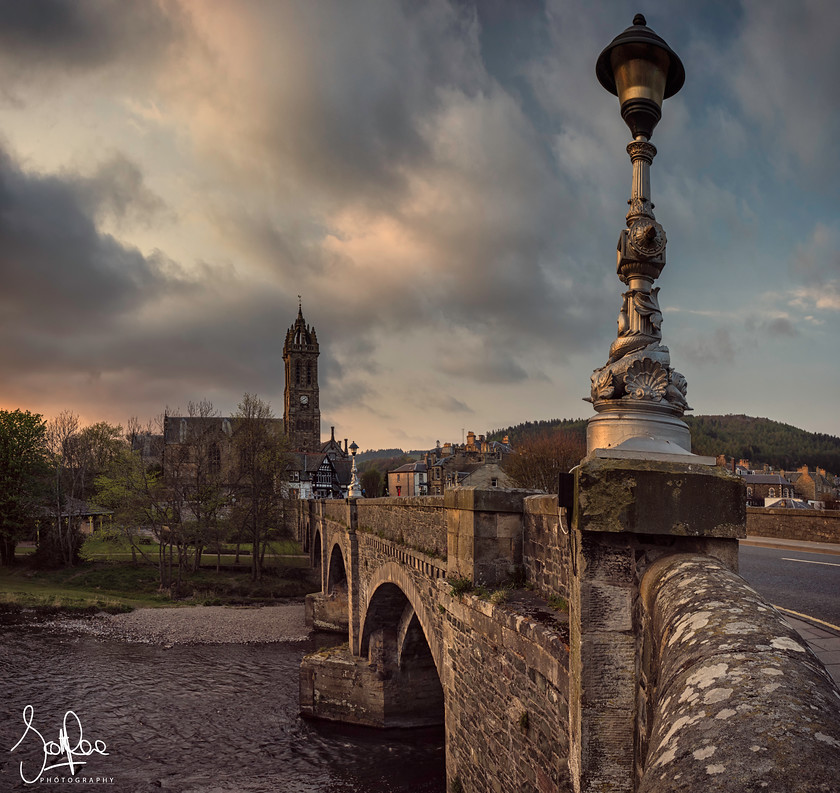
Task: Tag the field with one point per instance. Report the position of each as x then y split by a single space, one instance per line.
109 579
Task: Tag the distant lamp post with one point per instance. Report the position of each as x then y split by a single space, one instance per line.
355 486
638 397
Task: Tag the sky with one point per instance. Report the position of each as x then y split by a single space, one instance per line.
443 183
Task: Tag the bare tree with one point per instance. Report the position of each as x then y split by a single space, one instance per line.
61 542
539 460
262 457
204 475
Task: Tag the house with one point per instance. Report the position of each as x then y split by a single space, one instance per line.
813 485
766 486
478 463
408 480
88 517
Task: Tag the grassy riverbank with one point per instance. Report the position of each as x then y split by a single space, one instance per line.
108 580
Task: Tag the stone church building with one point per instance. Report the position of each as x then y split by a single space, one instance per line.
318 470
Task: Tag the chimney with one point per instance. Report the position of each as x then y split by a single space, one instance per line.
345 445
332 434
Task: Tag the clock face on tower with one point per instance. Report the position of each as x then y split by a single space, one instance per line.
304 400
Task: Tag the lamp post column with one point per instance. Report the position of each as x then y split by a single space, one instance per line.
638 397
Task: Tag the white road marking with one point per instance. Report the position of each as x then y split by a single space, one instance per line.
808 561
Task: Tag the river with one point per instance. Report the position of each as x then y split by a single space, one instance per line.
191 718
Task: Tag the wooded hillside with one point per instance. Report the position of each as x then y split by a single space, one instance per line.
756 439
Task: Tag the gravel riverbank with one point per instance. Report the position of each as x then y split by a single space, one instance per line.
197 625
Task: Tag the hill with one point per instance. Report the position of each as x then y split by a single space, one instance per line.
763 441
759 440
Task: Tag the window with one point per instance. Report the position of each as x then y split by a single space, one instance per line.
749 492
494 482
215 458
771 493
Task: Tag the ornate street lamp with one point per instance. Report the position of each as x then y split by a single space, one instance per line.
639 398
355 486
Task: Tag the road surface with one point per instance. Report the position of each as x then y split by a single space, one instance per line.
808 583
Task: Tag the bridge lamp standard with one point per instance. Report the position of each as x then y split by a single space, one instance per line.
355 486
638 397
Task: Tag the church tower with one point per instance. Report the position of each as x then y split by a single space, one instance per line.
301 410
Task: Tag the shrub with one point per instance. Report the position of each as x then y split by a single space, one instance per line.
460 586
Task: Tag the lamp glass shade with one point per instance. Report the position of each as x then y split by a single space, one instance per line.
640 72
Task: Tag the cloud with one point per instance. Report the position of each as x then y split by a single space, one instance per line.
51 41
781 326
826 298
391 177
816 261
717 347
60 273
118 191
773 71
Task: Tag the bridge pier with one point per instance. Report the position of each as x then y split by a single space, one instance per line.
627 514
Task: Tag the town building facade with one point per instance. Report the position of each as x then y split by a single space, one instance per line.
478 462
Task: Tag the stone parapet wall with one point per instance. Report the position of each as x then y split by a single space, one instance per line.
736 699
546 546
417 522
506 683
336 510
670 673
812 525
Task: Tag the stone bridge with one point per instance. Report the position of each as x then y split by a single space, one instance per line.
602 645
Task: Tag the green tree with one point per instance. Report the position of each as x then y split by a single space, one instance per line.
138 499
262 459
371 481
93 451
23 466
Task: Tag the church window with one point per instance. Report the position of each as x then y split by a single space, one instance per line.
215 458
309 373
297 372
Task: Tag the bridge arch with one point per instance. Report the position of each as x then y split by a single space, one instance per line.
397 639
317 548
336 578
393 573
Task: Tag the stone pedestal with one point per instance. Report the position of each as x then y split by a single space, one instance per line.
627 514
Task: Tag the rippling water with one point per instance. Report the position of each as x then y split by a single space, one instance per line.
196 719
